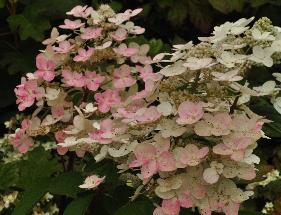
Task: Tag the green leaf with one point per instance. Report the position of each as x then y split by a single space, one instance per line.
143 207
31 197
105 168
178 12
165 3
29 24
119 198
258 3
2 3
8 175
116 5
156 46
227 6
55 9
79 205
200 15
66 184
38 166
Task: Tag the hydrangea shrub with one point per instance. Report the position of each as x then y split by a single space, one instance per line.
177 123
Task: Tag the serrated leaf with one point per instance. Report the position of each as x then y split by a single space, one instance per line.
31 197
142 207
79 205
30 23
38 166
8 175
66 184
227 6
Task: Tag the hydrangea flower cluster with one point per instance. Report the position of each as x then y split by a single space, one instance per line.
185 132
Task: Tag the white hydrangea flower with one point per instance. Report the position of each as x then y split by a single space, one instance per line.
258 35
262 56
52 93
267 88
277 76
228 76
165 108
251 158
92 182
123 150
173 69
194 63
229 59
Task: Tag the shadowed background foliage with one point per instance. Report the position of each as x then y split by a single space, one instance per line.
24 23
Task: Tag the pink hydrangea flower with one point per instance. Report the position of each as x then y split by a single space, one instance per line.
153 158
190 155
247 127
80 11
189 112
83 54
147 115
92 182
217 125
148 89
141 55
73 79
122 77
233 146
123 50
93 80
159 211
128 113
105 133
230 208
120 34
27 92
60 137
20 140
45 68
68 24
91 33
146 73
172 206
107 99
64 47
57 111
